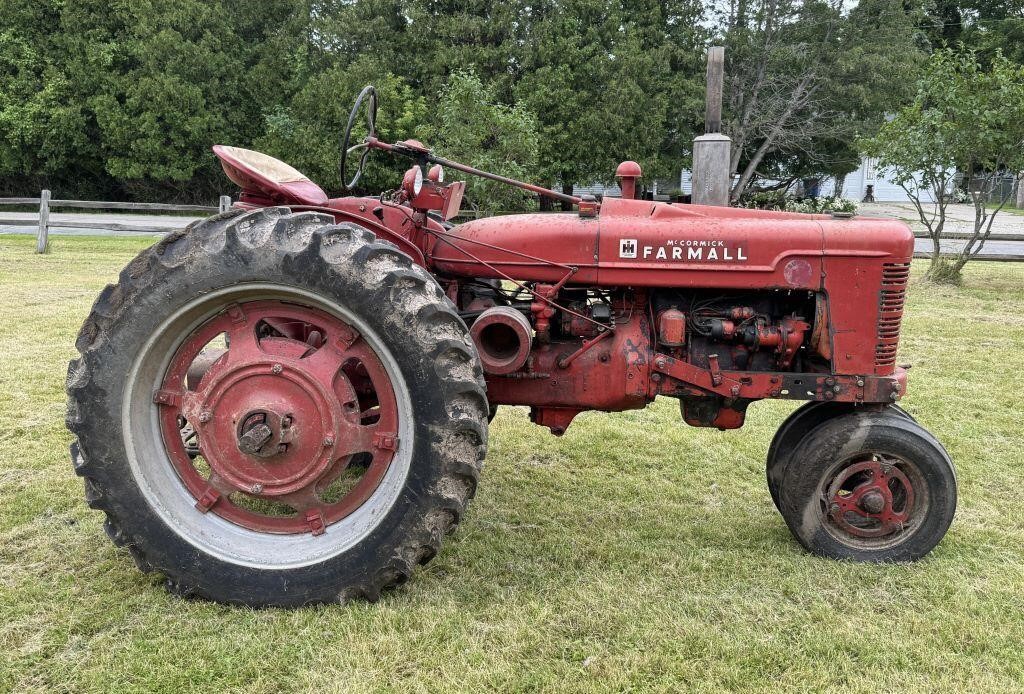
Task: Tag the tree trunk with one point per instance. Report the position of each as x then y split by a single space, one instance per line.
797 98
545 203
567 189
748 172
837 192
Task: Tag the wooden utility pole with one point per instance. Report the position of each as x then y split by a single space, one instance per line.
711 150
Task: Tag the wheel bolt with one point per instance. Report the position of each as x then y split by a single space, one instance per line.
328 441
834 508
205 416
256 488
276 369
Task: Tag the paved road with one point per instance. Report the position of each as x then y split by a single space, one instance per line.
959 218
30 218
994 247
1006 223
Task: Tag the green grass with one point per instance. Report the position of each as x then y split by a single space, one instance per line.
634 553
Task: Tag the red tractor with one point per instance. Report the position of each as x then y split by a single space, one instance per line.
288 403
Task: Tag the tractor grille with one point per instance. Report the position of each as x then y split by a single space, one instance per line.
890 312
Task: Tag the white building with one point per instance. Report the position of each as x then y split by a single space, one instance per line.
855 186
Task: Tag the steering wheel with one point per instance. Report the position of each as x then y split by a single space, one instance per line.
369 94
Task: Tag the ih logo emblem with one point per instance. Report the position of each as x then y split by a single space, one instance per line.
627 248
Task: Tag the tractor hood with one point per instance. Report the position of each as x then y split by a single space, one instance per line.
656 244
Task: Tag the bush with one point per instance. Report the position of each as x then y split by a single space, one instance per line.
764 200
822 205
778 200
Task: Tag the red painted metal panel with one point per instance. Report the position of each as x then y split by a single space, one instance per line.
661 245
860 255
538 247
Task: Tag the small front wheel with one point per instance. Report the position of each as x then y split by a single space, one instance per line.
796 427
869 486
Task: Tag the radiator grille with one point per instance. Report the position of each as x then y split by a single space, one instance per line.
890 312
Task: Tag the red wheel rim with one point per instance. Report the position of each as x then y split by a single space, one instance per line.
295 417
871 498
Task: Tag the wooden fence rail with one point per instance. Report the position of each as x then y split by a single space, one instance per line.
46 203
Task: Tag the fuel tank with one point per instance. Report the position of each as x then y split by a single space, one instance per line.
655 244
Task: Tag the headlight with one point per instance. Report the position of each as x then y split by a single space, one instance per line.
412 182
436 173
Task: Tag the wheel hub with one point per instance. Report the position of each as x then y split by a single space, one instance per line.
295 403
872 502
871 499
244 438
259 429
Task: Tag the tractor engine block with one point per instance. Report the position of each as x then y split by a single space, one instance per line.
759 332
577 348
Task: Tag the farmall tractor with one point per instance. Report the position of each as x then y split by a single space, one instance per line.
288 403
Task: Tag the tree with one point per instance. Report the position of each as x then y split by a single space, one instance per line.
47 134
611 81
177 81
468 126
125 98
805 81
988 26
307 131
606 79
967 121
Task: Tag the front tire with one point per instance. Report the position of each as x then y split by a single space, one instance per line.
795 427
869 486
337 357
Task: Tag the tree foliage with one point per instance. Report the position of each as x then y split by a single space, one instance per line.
611 81
123 98
964 119
127 97
806 79
470 127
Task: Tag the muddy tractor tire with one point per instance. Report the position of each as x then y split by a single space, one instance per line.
869 486
274 409
798 425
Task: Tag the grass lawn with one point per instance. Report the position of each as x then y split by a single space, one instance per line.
634 553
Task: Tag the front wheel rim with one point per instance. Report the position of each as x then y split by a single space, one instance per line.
277 376
875 500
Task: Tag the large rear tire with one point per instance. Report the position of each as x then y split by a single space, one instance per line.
337 358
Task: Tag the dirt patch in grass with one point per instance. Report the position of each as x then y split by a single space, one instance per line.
634 553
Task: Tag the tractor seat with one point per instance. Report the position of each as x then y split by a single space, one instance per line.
260 175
